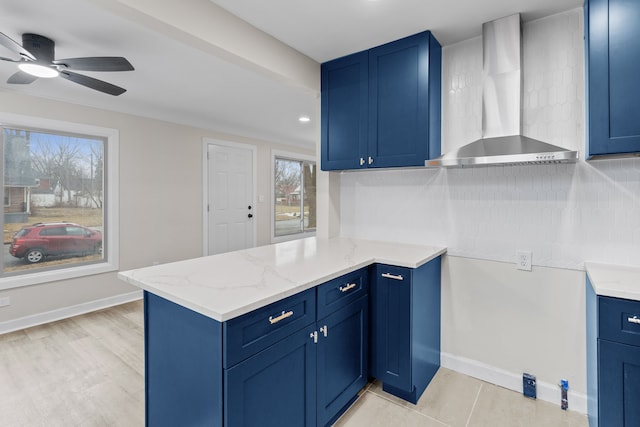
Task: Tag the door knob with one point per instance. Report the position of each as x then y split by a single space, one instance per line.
250 216
249 207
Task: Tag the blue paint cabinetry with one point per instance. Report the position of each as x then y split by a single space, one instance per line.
183 366
276 386
613 66
342 361
406 327
381 107
299 361
613 361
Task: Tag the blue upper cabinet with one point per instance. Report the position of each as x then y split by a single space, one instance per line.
404 102
613 67
381 107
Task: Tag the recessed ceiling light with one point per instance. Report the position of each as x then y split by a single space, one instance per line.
38 70
304 119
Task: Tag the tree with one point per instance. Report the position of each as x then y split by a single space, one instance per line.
310 172
61 159
96 175
73 164
287 176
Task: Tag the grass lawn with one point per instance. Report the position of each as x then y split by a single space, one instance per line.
83 216
283 212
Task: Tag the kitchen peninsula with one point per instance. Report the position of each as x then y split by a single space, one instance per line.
288 333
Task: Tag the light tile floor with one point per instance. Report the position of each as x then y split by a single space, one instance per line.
457 400
89 371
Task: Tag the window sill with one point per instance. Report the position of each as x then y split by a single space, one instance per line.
26 279
289 237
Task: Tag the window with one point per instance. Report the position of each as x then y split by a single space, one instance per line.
294 196
58 185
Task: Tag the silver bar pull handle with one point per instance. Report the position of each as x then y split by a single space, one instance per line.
633 319
361 161
347 287
393 276
282 316
370 160
314 335
325 330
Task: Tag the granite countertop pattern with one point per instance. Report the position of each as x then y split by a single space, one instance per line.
228 285
614 280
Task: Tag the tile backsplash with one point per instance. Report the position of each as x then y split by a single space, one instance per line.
564 214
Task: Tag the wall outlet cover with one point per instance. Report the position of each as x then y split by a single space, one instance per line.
523 260
529 385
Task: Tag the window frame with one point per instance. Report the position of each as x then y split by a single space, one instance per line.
297 157
110 261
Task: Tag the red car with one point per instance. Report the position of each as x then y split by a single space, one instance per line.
37 241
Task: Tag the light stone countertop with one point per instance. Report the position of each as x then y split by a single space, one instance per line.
228 285
614 280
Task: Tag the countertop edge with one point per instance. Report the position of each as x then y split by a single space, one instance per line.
433 252
617 281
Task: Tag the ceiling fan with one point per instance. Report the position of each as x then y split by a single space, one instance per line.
37 60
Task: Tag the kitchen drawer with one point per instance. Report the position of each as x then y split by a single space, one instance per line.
619 320
253 332
340 292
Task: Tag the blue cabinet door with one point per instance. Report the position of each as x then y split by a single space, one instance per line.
404 101
619 384
391 323
613 67
405 324
344 87
342 358
276 387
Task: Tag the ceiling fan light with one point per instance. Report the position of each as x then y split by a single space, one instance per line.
38 70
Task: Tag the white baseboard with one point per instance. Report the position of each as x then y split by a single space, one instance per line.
512 381
66 312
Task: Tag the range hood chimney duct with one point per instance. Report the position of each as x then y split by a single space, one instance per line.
502 141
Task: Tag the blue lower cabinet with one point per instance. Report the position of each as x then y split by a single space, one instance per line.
619 384
276 387
276 366
613 360
405 351
300 361
342 368
183 366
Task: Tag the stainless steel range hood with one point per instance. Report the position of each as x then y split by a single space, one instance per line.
502 142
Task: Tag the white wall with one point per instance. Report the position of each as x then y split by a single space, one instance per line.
564 214
161 206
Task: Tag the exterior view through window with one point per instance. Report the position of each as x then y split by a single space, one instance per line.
53 199
295 196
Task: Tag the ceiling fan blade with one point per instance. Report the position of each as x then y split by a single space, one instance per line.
92 83
21 78
14 46
96 63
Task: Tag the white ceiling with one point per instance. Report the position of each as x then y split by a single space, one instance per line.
183 83
328 29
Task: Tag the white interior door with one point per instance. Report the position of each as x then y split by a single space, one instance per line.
230 198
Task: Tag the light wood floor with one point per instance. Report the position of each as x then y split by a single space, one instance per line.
83 371
89 371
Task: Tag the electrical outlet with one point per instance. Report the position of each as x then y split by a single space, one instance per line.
5 301
523 260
